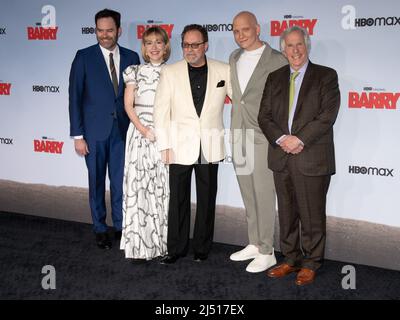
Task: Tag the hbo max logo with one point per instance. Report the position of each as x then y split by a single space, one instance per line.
384 172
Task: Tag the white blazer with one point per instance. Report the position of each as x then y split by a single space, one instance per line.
177 125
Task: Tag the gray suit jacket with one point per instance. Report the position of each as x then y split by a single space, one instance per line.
246 105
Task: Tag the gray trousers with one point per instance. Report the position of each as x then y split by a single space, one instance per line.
258 192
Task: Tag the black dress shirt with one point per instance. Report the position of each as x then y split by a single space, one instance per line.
198 84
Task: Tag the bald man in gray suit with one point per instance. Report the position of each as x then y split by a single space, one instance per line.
250 67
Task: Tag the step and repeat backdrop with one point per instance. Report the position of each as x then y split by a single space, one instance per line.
360 39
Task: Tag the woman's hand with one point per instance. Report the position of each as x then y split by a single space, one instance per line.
148 133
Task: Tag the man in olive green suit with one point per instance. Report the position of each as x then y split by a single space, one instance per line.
250 67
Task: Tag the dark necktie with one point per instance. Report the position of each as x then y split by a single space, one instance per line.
113 75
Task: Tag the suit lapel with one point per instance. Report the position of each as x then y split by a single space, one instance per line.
210 82
305 86
184 72
235 77
122 63
255 76
285 78
100 61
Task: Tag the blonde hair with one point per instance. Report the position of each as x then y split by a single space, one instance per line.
158 31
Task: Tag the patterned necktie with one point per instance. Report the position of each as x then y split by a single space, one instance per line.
293 77
113 74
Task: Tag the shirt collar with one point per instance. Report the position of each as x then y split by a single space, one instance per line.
203 67
302 70
107 52
255 52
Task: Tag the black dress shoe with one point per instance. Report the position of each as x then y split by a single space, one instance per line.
199 257
103 241
169 259
118 235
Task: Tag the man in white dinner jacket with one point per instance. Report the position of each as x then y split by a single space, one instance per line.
188 120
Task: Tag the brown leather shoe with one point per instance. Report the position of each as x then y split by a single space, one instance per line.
305 276
281 271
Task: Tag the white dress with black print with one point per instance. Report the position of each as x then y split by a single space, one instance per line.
146 181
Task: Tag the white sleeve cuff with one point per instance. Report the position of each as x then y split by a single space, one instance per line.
280 139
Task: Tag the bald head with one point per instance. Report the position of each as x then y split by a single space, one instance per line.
246 15
246 31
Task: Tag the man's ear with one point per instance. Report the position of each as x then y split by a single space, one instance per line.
258 30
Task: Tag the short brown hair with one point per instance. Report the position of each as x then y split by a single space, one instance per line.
107 13
158 31
197 27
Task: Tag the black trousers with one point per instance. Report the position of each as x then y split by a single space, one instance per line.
180 177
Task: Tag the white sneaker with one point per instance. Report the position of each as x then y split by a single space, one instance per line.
250 252
262 262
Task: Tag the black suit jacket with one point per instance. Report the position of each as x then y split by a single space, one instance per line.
316 112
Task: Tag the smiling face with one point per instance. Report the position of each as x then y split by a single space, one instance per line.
295 50
195 57
246 32
154 48
107 33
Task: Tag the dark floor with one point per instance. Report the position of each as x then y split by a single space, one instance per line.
27 243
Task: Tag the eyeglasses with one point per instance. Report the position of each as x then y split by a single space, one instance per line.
186 45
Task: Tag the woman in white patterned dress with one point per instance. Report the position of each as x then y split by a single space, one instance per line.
146 182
